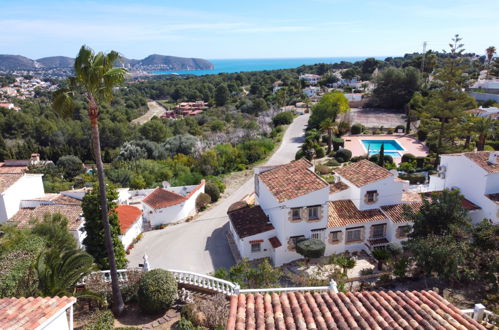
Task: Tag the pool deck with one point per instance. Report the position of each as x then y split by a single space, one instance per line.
410 144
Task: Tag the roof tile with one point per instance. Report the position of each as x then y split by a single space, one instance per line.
160 198
127 215
363 172
249 221
344 212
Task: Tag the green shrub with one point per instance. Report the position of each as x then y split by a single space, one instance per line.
212 190
184 324
493 144
310 247
375 159
408 158
322 169
337 143
283 118
343 155
357 129
413 178
389 130
421 162
299 154
101 321
332 162
202 201
357 158
422 135
409 167
488 148
157 291
319 152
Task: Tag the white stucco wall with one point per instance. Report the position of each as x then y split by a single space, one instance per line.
131 233
28 186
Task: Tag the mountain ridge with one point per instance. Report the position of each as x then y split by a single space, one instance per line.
152 62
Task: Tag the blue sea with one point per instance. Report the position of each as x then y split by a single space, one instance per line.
260 64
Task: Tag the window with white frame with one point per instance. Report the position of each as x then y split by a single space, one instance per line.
318 233
378 231
313 212
354 234
295 214
371 196
335 236
256 247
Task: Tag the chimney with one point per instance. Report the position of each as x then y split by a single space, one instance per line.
35 158
493 157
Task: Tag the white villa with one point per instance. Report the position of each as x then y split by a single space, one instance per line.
131 225
476 175
312 91
362 210
312 79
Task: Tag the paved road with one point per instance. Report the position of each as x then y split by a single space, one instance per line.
200 246
155 109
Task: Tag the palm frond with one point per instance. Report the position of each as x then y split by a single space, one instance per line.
62 102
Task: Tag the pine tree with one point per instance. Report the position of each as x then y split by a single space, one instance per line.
381 161
94 242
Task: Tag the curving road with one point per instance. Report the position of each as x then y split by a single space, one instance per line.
200 246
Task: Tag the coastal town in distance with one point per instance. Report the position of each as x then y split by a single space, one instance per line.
227 166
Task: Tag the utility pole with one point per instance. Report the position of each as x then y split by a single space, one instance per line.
424 55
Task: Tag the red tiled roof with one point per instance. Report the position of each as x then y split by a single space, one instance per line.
127 215
275 242
344 212
30 313
8 179
73 213
337 187
481 158
467 204
395 212
363 172
160 198
249 221
351 310
292 180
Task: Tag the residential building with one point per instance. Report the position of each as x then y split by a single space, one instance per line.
352 310
171 204
309 78
15 187
312 91
362 210
130 219
37 313
476 175
276 86
492 112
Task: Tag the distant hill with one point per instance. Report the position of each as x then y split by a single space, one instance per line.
56 62
151 63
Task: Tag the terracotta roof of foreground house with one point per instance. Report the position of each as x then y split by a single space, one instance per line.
292 180
127 215
30 313
275 242
337 187
249 221
395 212
160 198
73 213
352 310
363 172
344 212
481 158
8 179
467 204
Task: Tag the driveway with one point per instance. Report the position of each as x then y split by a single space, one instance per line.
200 246
155 109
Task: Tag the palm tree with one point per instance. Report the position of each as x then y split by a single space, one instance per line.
382 256
490 51
484 126
328 125
95 77
59 271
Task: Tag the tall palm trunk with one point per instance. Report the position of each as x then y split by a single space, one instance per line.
481 142
118 304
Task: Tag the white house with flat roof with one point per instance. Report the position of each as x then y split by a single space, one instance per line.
15 187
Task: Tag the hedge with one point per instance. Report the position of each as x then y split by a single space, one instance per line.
356 128
343 155
157 291
337 143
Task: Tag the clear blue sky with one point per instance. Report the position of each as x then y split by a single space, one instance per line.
245 29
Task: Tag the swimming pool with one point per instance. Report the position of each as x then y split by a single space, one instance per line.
391 147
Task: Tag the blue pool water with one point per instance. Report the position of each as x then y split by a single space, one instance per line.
391 147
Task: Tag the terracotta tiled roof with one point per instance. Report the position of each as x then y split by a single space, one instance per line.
467 204
30 313
395 212
351 310
8 179
481 158
337 187
57 199
292 180
127 215
12 169
363 172
275 242
343 213
73 213
249 221
493 197
160 198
